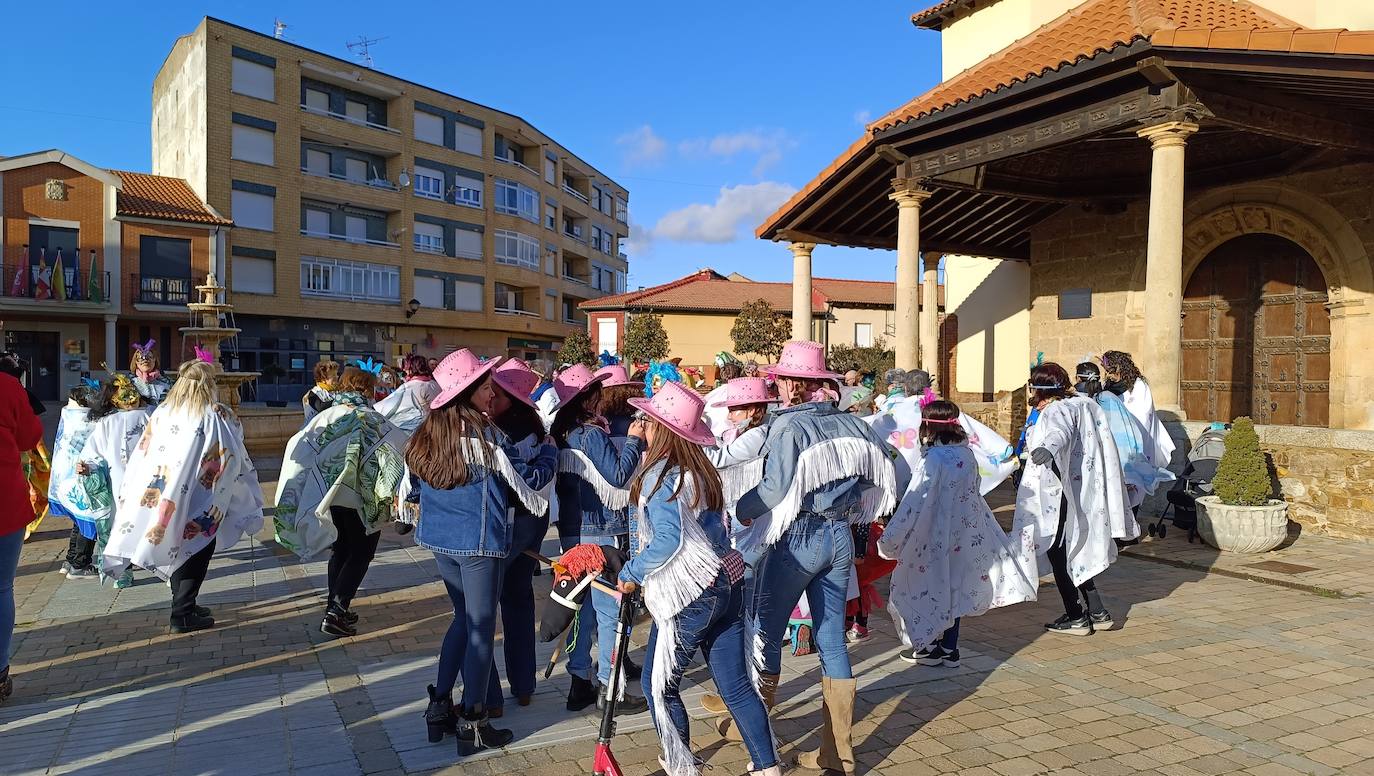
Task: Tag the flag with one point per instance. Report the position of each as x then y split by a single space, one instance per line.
20 287
59 278
96 292
74 287
42 288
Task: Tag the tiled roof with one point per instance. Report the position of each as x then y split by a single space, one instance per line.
163 198
1092 28
933 13
709 291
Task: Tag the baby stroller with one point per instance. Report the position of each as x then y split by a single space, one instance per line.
1194 482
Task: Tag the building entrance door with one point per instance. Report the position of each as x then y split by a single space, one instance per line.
43 351
1257 335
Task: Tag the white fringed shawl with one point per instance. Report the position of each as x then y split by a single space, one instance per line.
576 463
819 465
500 464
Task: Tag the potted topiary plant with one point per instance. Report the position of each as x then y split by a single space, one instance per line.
1242 516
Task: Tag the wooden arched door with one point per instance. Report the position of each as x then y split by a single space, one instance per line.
1257 335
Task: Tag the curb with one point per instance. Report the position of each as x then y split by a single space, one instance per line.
1324 592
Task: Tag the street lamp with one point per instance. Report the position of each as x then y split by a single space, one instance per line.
412 307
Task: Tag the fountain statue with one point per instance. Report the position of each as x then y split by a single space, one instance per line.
211 331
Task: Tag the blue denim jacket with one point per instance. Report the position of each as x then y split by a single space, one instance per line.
666 527
475 518
580 512
793 430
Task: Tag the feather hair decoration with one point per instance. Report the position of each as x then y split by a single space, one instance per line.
606 359
1039 359
368 365
204 355
927 396
146 348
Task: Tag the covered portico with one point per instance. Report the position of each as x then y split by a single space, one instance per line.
1124 164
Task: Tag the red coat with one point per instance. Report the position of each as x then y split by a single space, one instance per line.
20 430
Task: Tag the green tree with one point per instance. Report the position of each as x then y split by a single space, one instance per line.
577 349
1243 475
874 360
761 330
645 339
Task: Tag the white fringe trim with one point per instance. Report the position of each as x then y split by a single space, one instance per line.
737 480
668 589
576 463
819 465
501 465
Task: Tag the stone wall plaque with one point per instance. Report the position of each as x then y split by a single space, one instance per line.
1075 303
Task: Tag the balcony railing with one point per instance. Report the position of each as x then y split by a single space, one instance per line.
349 119
375 183
579 196
346 238
516 311
574 232
583 279
162 289
514 163
77 288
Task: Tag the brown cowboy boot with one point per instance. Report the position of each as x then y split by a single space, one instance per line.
836 755
768 690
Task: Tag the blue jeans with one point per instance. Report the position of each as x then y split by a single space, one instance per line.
474 586
10 544
517 630
714 623
814 556
598 616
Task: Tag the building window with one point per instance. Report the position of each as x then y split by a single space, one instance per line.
429 183
429 238
467 191
550 170
1075 303
355 111
356 280
550 307
164 270
251 144
551 215
429 292
251 210
317 223
429 128
467 296
601 239
254 271
517 199
863 335
516 249
317 162
510 299
468 244
622 210
317 101
620 284
467 139
254 80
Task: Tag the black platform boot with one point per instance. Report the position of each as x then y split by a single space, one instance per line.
439 717
475 733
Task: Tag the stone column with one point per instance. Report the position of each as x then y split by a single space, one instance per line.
109 344
801 289
1161 348
908 195
930 318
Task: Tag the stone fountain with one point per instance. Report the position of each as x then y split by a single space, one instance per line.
209 313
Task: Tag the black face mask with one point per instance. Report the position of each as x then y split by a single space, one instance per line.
1087 387
1117 387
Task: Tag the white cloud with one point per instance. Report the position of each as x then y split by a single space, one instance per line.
720 222
863 117
768 145
640 242
642 146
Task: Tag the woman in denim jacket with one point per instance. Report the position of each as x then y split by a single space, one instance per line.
592 509
693 583
468 479
823 470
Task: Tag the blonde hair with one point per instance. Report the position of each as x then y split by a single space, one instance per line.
327 371
194 391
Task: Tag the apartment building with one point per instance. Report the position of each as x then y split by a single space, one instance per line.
373 215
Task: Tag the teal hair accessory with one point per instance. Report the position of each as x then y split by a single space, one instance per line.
1039 359
368 365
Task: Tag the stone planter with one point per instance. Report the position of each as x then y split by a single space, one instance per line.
1242 529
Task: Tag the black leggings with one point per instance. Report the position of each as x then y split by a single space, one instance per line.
1059 562
187 579
352 554
80 550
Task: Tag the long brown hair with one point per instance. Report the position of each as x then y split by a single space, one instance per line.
686 456
579 409
615 400
436 453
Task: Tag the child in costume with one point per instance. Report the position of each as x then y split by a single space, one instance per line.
953 559
147 378
407 406
66 495
1132 445
693 583
321 395
119 415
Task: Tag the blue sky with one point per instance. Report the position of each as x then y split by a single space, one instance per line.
710 113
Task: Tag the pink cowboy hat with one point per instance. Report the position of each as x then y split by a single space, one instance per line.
743 391
574 380
459 370
616 374
678 408
517 379
803 360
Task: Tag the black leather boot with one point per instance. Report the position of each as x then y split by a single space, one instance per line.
582 694
475 733
439 718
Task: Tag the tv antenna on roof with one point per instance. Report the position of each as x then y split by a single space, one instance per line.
278 28
360 46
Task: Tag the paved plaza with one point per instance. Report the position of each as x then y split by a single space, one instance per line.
1216 667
